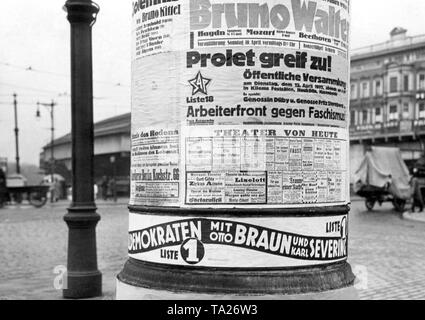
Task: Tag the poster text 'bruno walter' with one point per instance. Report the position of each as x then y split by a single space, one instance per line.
301 15
298 14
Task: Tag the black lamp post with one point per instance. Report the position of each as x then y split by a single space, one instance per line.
113 161
52 140
84 278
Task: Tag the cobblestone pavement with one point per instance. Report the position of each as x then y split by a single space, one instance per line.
34 241
386 252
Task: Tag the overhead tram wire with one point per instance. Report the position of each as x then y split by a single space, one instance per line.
31 69
28 104
27 88
58 94
11 103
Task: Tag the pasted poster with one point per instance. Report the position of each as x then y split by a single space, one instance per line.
282 166
240 103
236 243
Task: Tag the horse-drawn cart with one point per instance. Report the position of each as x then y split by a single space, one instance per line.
383 176
374 195
36 195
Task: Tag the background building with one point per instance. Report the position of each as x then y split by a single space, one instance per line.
388 97
111 150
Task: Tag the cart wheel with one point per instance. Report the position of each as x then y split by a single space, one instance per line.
370 203
37 199
399 205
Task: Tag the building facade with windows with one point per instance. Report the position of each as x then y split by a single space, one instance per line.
111 153
387 106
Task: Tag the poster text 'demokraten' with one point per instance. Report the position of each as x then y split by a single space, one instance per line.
236 242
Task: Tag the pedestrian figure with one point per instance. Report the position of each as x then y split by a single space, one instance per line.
111 188
95 191
3 188
417 199
104 187
57 190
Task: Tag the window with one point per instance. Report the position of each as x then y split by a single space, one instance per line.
378 88
406 111
393 113
353 91
422 110
393 84
378 115
365 114
352 118
365 90
421 82
406 83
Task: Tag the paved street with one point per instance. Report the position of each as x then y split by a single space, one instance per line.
33 242
391 249
388 253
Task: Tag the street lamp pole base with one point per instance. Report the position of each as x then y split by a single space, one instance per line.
83 285
84 280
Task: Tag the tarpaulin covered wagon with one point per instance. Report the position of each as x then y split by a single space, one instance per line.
383 176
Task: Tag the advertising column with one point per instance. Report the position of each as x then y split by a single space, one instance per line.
239 164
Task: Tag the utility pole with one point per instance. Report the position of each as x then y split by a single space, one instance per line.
113 161
15 103
52 140
84 278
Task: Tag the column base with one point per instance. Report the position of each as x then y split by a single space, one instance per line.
146 281
83 285
128 292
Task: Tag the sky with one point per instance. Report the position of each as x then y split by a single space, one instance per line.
35 61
